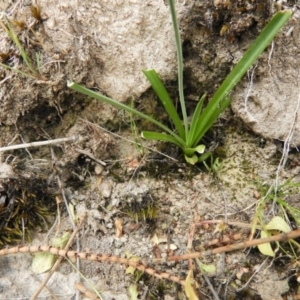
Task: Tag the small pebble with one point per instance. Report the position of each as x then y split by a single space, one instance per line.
106 189
98 169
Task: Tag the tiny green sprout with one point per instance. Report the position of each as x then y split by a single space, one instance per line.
279 195
187 136
215 164
277 224
134 131
133 292
33 71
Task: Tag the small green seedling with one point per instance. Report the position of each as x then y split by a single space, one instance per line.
289 188
32 70
133 292
277 224
188 135
135 132
215 164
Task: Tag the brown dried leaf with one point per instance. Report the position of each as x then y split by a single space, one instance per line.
189 290
119 227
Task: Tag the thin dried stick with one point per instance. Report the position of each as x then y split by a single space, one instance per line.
285 152
82 289
140 265
210 286
128 140
37 144
79 283
57 263
225 240
190 244
91 156
250 279
191 236
275 238
40 281
250 88
239 224
65 201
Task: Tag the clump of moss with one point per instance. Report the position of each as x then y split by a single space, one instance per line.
26 205
142 207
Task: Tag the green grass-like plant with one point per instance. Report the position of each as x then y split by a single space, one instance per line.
188 135
32 70
277 195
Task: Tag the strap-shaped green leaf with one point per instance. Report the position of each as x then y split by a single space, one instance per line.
179 65
261 42
165 99
266 248
201 127
90 93
195 121
151 135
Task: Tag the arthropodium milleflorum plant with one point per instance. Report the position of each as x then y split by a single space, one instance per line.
188 136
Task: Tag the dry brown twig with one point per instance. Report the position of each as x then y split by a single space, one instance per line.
91 156
142 265
82 289
57 263
48 289
128 140
275 238
37 144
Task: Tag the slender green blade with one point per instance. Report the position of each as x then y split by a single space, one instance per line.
204 156
17 70
90 93
165 99
150 135
12 34
261 42
294 212
195 121
179 64
205 127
